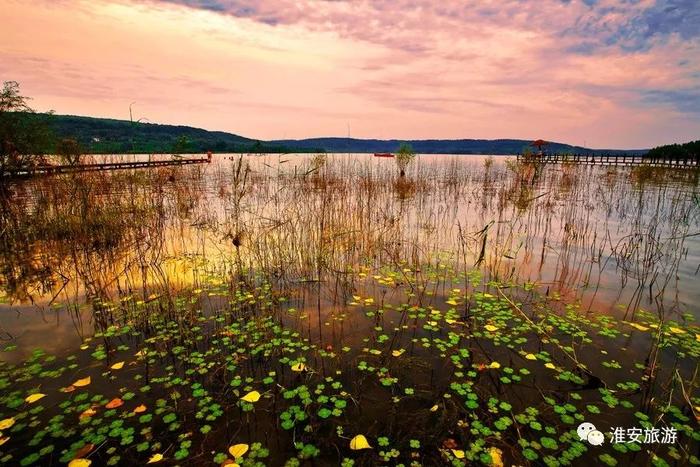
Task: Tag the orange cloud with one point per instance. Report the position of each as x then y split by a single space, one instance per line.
567 71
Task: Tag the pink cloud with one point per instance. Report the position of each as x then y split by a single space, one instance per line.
615 74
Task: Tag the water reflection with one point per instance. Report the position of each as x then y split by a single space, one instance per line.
613 239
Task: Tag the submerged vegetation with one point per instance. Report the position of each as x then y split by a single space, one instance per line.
320 310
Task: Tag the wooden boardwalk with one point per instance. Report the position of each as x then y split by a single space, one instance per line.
612 159
59 169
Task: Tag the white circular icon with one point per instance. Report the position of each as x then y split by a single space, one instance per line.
596 438
584 429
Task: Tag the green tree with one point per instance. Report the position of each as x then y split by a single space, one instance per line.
403 158
181 146
24 135
69 150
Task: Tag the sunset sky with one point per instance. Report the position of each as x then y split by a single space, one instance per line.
610 74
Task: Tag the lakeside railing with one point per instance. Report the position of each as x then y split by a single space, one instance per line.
48 169
612 159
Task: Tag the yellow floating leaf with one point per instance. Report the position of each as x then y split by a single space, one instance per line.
299 367
434 408
87 413
34 397
458 453
550 365
238 450
117 366
531 356
676 330
114 403
496 457
697 337
356 297
491 328
4 440
140 353
639 327
495 365
84 347
82 382
79 463
398 352
141 408
452 302
359 442
7 423
252 396
155 458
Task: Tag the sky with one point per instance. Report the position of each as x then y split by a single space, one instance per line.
600 73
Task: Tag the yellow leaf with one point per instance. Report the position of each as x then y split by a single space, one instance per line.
495 365
398 352
676 330
34 397
458 453
117 366
7 423
550 365
434 408
155 458
87 413
531 356
491 328
450 321
496 457
639 327
357 297
452 302
84 347
79 463
238 450
141 408
697 337
298 367
82 382
4 440
252 396
359 442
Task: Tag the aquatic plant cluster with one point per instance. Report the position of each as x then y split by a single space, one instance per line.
315 335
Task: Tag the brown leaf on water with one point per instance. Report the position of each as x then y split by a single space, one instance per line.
114 403
70 388
449 443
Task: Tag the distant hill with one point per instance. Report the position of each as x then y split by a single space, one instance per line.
439 146
109 136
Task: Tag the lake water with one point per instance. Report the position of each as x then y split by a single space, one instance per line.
409 293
